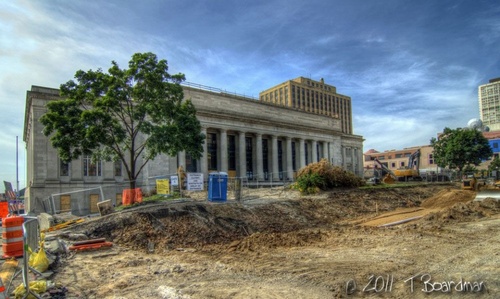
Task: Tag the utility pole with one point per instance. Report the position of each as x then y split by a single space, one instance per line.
17 169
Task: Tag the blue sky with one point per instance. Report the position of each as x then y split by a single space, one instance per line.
410 67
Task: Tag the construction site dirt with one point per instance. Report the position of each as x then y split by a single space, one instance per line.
355 243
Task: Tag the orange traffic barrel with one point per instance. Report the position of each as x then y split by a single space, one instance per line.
138 195
128 197
12 236
131 196
4 209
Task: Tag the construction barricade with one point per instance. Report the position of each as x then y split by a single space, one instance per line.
131 196
12 236
4 209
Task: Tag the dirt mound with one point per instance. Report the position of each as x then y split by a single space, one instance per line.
465 211
259 241
447 198
248 225
448 203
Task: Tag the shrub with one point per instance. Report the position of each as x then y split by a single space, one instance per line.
324 176
310 183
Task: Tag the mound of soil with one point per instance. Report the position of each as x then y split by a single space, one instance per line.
446 205
247 225
447 198
465 211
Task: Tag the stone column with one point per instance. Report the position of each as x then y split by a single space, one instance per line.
203 158
325 150
223 150
344 157
302 153
289 161
260 162
242 155
314 150
182 160
275 170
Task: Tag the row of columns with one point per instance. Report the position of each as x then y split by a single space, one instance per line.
242 158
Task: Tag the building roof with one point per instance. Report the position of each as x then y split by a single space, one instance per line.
492 135
371 151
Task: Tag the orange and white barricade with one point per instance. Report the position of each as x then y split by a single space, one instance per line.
12 236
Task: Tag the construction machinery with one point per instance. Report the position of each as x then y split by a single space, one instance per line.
389 177
411 171
469 183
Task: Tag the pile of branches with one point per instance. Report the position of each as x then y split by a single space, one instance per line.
324 176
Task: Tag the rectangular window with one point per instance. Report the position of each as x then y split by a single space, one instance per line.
393 165
118 168
399 156
249 161
231 150
294 165
495 145
191 165
265 161
306 152
118 199
402 164
90 168
280 159
349 154
63 168
212 151
317 153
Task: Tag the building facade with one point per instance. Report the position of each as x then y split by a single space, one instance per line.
314 97
489 104
244 137
398 159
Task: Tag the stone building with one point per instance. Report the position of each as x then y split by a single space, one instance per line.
245 138
312 96
489 104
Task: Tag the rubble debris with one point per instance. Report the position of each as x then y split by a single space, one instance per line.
90 245
105 207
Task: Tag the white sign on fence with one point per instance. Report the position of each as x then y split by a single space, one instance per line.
174 180
195 181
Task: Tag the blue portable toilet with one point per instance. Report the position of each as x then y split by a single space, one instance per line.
217 186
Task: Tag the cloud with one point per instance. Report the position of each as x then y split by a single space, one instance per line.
410 68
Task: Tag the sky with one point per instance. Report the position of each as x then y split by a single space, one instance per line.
411 67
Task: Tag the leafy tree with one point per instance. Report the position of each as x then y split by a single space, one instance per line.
494 165
128 115
457 148
470 169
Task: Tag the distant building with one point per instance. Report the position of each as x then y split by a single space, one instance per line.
398 159
312 96
489 104
494 141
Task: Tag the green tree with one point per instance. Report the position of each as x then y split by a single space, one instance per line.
494 165
457 148
128 115
470 169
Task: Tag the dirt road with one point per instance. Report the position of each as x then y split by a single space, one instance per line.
326 246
